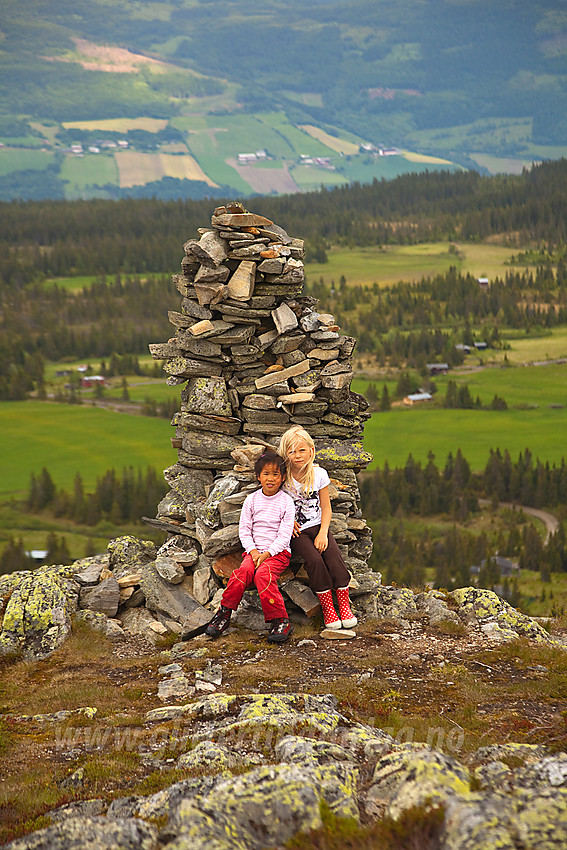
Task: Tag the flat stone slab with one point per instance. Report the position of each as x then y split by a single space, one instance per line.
339 634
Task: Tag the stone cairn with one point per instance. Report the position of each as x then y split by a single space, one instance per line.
254 357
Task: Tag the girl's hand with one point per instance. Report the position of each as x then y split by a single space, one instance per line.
321 542
254 554
296 529
262 558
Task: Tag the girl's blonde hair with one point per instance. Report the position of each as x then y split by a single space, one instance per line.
297 434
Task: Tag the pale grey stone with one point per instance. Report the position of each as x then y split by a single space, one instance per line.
172 600
222 542
170 570
284 319
104 598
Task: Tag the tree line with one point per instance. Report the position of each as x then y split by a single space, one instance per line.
402 325
396 325
120 498
39 323
66 238
402 554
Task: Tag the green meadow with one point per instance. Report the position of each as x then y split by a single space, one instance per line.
92 170
393 435
67 439
519 386
393 263
533 419
15 159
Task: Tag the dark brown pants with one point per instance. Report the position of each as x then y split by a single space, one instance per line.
325 569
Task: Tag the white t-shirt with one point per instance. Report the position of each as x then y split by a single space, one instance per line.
308 505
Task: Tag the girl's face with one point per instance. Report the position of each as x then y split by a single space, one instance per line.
270 479
300 454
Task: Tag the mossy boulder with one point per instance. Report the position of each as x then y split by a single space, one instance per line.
127 554
264 808
39 607
415 776
99 832
496 617
395 603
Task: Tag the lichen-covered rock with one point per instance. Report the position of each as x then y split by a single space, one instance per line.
128 554
207 395
433 604
337 454
209 755
38 612
265 807
99 832
541 821
416 776
294 749
496 617
395 603
210 510
519 752
479 821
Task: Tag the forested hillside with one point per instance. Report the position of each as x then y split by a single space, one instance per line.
328 93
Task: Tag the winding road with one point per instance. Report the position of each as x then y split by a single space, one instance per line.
549 520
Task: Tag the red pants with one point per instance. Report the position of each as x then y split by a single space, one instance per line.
266 580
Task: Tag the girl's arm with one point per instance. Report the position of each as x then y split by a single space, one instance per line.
322 539
245 527
285 528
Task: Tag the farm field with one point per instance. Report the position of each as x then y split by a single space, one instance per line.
529 349
522 385
87 171
212 142
66 439
392 263
392 435
15 159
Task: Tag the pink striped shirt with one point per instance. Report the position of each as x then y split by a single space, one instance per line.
266 522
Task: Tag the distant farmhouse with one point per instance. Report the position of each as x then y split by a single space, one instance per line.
437 368
417 398
505 567
247 158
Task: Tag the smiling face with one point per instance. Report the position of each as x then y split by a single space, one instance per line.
270 478
299 455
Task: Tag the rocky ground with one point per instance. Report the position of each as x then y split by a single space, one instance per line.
180 732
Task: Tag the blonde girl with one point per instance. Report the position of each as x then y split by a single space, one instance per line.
308 485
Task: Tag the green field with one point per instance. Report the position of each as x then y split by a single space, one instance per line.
67 439
309 178
14 159
528 349
392 436
89 170
528 385
222 173
390 264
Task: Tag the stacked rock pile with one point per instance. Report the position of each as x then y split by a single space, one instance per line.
254 357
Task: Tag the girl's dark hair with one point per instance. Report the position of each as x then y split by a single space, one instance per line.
270 459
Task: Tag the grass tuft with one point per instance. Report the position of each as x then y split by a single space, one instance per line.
418 828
